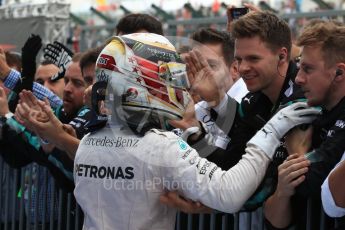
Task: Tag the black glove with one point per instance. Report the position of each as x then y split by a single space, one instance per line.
60 55
29 52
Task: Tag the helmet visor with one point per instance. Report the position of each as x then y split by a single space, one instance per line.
174 74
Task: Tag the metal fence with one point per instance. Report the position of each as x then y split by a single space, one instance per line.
31 200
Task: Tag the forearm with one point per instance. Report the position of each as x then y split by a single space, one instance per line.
63 162
13 78
317 173
67 143
277 210
27 136
244 178
227 191
322 159
62 181
14 151
42 92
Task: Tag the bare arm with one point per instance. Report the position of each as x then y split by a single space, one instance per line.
298 140
278 209
68 143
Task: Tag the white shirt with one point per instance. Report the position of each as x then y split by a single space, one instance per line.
238 90
202 111
328 202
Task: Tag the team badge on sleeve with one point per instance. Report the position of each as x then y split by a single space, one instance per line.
183 145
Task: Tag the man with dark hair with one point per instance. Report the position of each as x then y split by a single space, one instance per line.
263 64
74 88
213 36
262 50
221 44
139 23
266 26
87 64
218 49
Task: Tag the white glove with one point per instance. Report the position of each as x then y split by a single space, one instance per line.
60 55
268 138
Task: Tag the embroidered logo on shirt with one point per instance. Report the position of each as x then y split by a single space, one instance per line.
83 112
93 171
248 99
183 145
266 132
340 124
330 133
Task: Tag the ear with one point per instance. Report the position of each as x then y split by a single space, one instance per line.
235 75
340 71
282 55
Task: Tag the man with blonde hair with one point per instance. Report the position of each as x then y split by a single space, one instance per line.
322 78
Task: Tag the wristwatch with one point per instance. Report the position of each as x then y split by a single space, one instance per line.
2 124
9 115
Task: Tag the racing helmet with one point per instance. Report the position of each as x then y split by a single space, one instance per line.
141 80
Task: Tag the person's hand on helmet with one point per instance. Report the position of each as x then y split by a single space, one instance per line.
188 120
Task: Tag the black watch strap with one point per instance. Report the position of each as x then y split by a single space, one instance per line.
2 124
3 120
